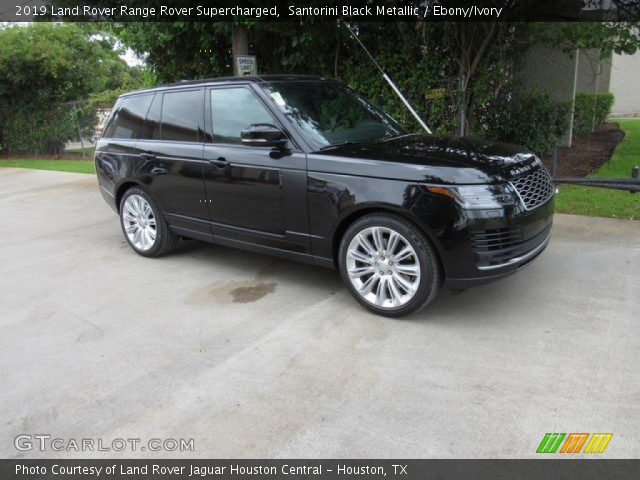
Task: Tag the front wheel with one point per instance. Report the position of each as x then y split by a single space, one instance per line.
143 225
389 265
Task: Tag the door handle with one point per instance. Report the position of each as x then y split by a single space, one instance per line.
219 162
147 156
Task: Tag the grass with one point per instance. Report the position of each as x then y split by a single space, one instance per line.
87 150
77 166
601 202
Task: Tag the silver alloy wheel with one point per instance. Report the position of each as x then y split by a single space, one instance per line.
139 222
383 267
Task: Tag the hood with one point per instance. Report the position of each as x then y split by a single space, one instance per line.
440 159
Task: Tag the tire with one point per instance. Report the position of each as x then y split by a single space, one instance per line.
140 214
391 285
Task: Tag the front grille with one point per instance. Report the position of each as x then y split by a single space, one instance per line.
498 246
534 188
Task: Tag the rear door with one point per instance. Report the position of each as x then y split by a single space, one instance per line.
171 146
255 194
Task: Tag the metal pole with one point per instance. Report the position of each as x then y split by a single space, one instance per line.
595 96
406 102
462 105
75 114
569 135
554 160
389 81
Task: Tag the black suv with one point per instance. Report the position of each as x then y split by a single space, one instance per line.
304 168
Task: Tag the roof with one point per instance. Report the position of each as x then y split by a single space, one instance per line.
246 79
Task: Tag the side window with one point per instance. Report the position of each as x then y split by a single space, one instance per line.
233 110
182 116
128 117
151 127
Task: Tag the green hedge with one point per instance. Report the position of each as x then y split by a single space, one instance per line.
533 121
38 128
591 109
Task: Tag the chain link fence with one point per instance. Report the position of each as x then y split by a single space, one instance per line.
52 130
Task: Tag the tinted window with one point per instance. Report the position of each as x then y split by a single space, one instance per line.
181 116
328 112
151 127
128 117
233 110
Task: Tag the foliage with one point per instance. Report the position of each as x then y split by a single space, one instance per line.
608 37
180 50
135 79
47 71
432 55
482 58
29 127
532 120
475 63
285 48
602 202
590 110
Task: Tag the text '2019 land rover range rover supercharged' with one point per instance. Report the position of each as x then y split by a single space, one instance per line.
304 168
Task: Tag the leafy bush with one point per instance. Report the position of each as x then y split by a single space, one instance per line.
534 121
47 73
38 129
591 109
44 128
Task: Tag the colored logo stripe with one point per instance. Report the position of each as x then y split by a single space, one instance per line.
574 443
550 443
598 442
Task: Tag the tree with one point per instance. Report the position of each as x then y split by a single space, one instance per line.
180 50
475 64
609 37
45 71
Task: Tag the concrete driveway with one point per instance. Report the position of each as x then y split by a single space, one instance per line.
252 356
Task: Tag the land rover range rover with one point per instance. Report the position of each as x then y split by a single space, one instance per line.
304 168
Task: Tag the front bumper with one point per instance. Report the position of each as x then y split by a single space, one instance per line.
508 268
483 246
525 256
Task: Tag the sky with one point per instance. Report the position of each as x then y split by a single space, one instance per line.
131 58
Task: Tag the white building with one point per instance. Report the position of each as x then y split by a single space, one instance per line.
625 85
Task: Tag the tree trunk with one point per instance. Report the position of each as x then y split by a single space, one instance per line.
239 44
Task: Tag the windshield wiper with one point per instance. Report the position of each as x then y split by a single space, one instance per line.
339 144
399 135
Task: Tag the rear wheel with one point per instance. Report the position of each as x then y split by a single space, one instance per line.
143 225
389 265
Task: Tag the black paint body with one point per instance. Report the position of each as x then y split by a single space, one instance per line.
296 202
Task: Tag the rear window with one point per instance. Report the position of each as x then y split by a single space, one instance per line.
182 115
151 127
128 117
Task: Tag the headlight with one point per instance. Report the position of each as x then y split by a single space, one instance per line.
478 197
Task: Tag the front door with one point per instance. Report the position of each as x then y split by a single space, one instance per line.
254 194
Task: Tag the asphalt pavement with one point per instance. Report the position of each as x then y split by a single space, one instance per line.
251 356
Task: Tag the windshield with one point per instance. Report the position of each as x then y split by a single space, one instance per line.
328 113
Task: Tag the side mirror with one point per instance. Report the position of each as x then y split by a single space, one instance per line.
263 135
